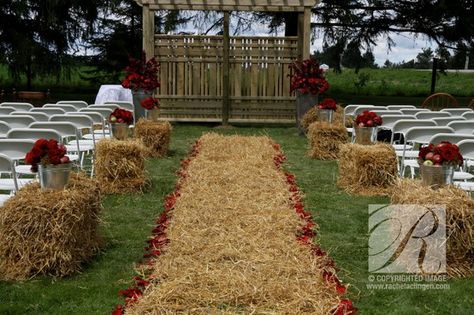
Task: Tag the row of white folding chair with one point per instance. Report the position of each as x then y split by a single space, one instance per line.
457 111
77 104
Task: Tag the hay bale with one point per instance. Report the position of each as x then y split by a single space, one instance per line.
459 220
367 169
50 232
155 136
325 139
120 166
311 116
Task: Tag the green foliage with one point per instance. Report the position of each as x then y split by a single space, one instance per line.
128 221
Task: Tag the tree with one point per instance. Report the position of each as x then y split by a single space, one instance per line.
388 64
368 60
444 57
352 57
36 36
424 59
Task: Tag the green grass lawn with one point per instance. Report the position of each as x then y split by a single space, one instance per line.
128 221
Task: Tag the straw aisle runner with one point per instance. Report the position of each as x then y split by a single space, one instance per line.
235 238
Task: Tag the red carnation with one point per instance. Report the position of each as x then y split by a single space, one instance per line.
120 115
328 103
150 103
46 152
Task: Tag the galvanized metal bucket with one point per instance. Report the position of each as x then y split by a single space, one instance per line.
138 97
365 135
325 115
153 114
120 131
54 176
437 176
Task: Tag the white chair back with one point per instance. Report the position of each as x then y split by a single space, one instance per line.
6 110
18 105
105 112
468 115
413 111
423 135
102 106
462 127
7 166
457 111
125 105
78 120
360 109
451 137
65 129
444 121
20 121
467 148
431 115
77 104
36 115
387 112
389 120
4 128
33 134
65 107
48 111
399 107
16 149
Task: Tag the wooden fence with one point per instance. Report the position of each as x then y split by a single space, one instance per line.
191 76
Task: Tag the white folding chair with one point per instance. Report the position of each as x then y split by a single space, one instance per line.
36 115
467 150
68 132
125 105
462 127
349 112
360 109
11 184
431 115
98 121
48 111
77 104
413 111
6 110
399 107
65 107
401 127
457 111
20 121
444 121
386 112
17 105
107 106
16 150
418 135
389 120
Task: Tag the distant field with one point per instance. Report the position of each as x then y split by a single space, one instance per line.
374 86
399 82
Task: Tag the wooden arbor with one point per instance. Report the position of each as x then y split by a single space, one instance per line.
223 78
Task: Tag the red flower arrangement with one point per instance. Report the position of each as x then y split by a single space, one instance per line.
46 152
368 119
445 153
150 103
141 74
328 103
308 77
121 116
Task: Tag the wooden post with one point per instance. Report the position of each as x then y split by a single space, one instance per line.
148 31
304 34
225 71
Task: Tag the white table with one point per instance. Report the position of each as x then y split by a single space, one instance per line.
113 92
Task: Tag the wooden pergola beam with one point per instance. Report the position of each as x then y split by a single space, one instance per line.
230 5
148 32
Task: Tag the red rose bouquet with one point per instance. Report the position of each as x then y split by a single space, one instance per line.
121 116
308 77
141 74
46 152
150 103
368 119
328 103
445 153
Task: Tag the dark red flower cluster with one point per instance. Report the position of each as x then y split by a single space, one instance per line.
150 103
121 116
159 240
446 153
328 103
141 74
308 77
46 152
368 119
